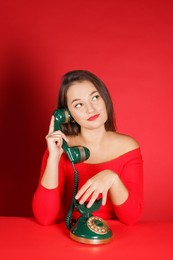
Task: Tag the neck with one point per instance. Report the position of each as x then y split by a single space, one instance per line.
93 137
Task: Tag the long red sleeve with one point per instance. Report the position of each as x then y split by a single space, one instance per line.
46 202
132 176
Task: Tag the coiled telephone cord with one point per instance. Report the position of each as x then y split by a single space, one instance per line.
72 205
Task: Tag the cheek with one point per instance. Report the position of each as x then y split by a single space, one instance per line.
75 114
105 111
103 107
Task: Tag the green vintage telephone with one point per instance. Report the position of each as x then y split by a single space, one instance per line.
88 229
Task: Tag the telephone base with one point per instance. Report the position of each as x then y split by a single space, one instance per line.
90 241
92 230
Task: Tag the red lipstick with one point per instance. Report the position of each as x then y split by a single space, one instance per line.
92 118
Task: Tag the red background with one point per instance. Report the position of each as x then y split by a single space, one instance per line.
127 43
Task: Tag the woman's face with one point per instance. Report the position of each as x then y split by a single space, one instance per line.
86 105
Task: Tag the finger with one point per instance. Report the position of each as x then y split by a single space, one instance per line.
58 141
51 126
61 135
53 139
56 138
104 197
82 190
86 195
51 129
93 199
64 137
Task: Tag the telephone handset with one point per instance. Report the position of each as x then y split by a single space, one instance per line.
76 153
88 229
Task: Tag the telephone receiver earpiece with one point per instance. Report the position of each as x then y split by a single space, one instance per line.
76 154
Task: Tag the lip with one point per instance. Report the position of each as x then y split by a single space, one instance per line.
92 118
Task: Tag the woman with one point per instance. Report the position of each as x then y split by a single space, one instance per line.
114 169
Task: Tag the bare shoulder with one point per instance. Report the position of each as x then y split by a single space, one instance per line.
125 143
128 140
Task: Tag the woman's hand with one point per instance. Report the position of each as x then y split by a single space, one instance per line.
54 140
99 183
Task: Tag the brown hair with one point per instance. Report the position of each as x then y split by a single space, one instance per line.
82 75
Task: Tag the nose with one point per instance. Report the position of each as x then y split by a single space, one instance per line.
89 107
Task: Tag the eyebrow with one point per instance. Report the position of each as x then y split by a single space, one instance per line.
77 99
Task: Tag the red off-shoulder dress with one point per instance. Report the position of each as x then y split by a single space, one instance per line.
50 205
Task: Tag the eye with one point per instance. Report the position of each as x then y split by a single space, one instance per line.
95 97
78 105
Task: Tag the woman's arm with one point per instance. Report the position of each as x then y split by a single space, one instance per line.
125 189
130 211
46 200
